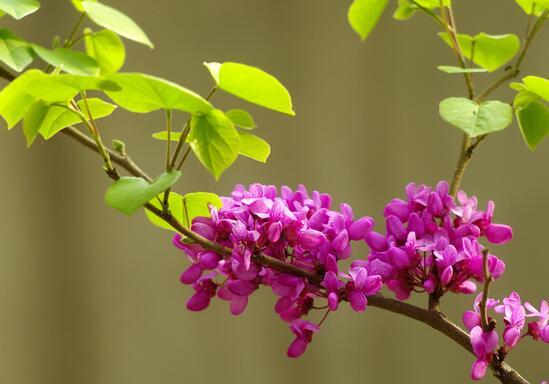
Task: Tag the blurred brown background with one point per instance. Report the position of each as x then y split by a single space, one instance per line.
88 295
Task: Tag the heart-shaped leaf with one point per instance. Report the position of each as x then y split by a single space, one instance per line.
476 119
215 141
19 8
254 147
253 85
363 15
143 93
241 118
128 194
534 123
116 21
15 52
107 49
70 61
15 100
488 51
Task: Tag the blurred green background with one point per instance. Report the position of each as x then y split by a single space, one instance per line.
88 295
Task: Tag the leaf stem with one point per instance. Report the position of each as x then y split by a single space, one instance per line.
74 31
485 291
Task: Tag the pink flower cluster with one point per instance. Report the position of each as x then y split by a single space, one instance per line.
292 227
485 342
431 243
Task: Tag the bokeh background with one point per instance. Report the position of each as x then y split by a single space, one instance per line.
88 295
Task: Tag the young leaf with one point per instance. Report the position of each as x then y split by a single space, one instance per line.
15 100
63 87
128 194
32 120
406 9
59 118
163 135
107 49
451 69
116 21
19 8
534 123
476 119
253 85
214 140
523 98
15 52
70 61
143 93
175 201
533 7
537 85
363 15
254 147
196 204
78 5
490 51
241 118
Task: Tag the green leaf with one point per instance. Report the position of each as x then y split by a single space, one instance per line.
63 87
490 51
523 98
78 5
241 118
15 52
128 194
59 118
476 119
32 120
253 85
537 85
215 141
143 93
451 69
15 100
196 204
175 201
534 123
107 49
532 7
116 21
184 208
363 15
163 135
406 9
47 120
70 61
19 8
254 147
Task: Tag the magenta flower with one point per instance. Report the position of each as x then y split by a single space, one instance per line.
361 286
303 331
484 344
539 329
514 317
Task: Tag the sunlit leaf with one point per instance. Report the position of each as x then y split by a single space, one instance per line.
451 69
534 123
63 87
537 85
241 118
363 15
15 100
254 147
476 119
490 51
128 194
15 52
107 49
19 8
215 141
116 21
163 135
70 61
253 85
533 7
143 93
